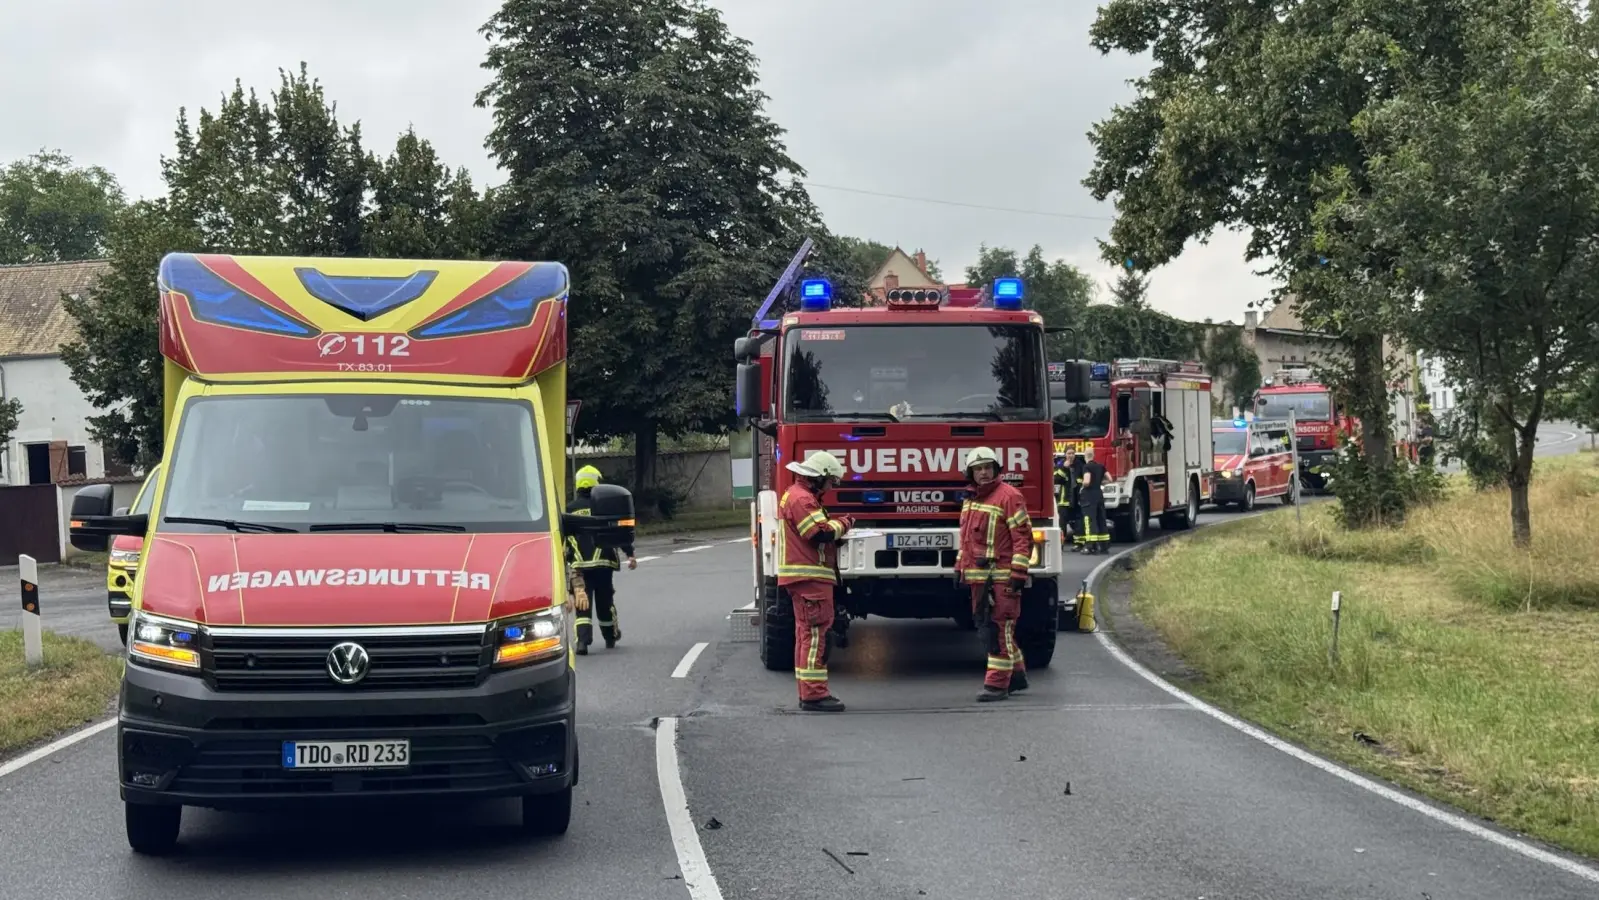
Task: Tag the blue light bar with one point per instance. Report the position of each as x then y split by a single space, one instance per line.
1239 422
816 295
873 496
1099 371
1008 293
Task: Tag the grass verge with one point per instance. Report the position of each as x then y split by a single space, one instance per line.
1466 671
72 688
698 520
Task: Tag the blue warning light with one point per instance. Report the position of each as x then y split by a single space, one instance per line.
1008 293
816 295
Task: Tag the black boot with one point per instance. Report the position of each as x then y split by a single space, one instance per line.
826 704
1018 681
990 695
582 648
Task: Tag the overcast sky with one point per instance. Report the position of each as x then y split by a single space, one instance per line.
984 102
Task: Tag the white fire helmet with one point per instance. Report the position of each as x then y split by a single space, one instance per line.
819 464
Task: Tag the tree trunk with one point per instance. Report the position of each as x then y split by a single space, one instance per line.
1371 400
645 442
1521 442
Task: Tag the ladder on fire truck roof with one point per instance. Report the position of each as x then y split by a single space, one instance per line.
1143 365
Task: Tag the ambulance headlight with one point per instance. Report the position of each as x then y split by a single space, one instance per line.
524 640
125 557
163 642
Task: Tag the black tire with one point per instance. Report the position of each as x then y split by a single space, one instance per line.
1248 504
1036 629
1132 527
122 632
547 815
777 628
1292 495
152 830
1182 521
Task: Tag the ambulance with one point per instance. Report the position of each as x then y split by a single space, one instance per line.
351 584
122 566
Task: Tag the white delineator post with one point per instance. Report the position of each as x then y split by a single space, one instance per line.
32 632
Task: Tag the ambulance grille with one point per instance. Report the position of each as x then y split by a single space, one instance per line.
400 660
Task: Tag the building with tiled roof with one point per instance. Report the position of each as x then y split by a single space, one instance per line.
51 443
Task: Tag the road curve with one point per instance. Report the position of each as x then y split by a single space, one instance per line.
1094 783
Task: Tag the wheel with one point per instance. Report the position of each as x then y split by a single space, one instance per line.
1131 527
1180 521
777 628
1291 496
122 632
1036 629
152 830
1249 498
547 815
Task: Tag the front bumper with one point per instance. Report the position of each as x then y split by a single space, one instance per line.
180 742
874 558
1229 490
1315 465
119 592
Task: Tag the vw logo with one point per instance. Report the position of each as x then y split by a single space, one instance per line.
348 662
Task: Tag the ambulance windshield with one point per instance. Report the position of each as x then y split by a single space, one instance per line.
341 461
916 373
1307 406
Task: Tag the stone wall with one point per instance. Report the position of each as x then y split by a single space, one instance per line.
703 478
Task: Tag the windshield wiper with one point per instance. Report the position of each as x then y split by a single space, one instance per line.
390 527
232 525
990 416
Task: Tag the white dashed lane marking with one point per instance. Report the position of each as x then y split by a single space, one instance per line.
693 549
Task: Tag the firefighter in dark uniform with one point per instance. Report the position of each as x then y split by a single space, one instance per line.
1091 500
1065 494
596 564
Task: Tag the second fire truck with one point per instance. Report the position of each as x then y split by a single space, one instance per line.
900 393
1148 422
1321 421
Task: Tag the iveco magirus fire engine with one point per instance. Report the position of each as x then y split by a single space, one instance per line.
1321 422
1148 422
900 394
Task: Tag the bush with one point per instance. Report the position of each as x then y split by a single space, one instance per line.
1369 497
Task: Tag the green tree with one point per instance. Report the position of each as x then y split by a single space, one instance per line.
51 210
421 209
1058 290
638 152
1488 208
1131 290
10 412
1247 106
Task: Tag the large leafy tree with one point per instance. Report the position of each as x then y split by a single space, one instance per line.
279 176
1058 290
421 209
638 153
1489 207
1247 106
52 210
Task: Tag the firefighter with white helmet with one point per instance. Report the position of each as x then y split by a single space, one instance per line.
596 564
807 570
996 549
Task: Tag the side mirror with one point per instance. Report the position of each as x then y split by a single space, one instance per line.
120 511
1079 378
742 350
610 520
747 391
93 524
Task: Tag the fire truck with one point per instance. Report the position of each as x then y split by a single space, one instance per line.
900 393
1321 422
1148 422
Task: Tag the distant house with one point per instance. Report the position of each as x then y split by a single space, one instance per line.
51 444
902 270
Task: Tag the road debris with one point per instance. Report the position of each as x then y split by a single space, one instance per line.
713 824
841 864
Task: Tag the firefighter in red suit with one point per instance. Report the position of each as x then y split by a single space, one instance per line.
996 545
807 556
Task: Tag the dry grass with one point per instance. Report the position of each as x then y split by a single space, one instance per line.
1475 667
72 688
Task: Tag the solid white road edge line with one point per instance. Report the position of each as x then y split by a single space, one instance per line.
685 838
647 558
1447 818
688 660
34 756
742 540
693 549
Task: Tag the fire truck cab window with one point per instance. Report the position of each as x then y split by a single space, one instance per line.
1080 420
1315 406
882 372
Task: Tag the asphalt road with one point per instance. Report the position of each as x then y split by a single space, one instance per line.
1095 783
